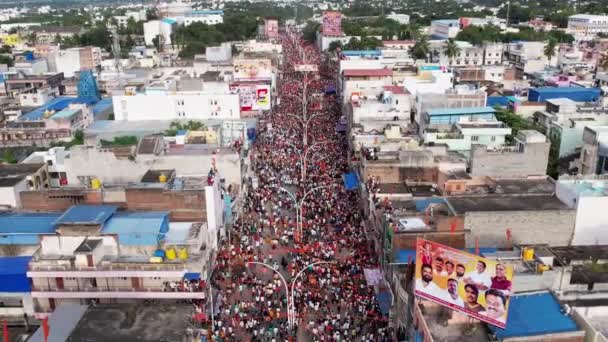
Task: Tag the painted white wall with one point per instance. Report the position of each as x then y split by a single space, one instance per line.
591 221
164 106
9 196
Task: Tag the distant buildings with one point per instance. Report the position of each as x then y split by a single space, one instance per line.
208 17
587 26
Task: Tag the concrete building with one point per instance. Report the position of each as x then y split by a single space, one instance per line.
207 17
465 134
594 152
47 34
587 26
15 178
97 253
443 119
163 29
589 196
528 157
364 82
488 217
131 163
402 19
20 83
73 60
469 55
168 105
527 57
444 29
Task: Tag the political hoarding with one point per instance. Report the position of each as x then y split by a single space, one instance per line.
475 286
332 23
306 68
252 69
252 96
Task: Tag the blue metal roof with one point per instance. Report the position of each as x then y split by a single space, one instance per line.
34 223
138 228
101 106
24 229
564 89
56 104
88 214
169 21
534 314
13 274
362 53
461 111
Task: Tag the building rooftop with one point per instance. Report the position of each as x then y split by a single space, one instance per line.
133 323
395 89
87 214
24 228
64 114
11 174
204 12
367 72
153 176
56 104
461 205
13 274
523 186
567 254
138 228
461 111
533 315
353 53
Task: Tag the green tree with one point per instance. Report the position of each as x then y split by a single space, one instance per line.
451 49
421 49
549 50
8 60
310 31
8 157
334 45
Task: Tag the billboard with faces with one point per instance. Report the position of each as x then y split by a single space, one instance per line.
475 286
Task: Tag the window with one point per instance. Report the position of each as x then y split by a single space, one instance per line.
54 175
493 138
49 162
474 138
70 278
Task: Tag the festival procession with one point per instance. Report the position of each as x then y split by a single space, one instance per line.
293 269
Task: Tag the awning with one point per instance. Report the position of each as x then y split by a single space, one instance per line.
351 181
192 276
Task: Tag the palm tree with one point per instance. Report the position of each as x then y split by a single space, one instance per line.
421 49
550 49
451 49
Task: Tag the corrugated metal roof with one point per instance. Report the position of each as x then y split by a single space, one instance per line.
361 53
19 223
13 277
461 111
564 90
87 214
535 314
138 228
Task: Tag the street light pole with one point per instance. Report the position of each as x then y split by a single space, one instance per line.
293 284
304 123
289 320
304 158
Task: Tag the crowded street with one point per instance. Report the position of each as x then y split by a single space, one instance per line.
299 240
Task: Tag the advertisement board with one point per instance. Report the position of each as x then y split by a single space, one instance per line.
332 23
271 27
306 68
252 96
475 286
252 69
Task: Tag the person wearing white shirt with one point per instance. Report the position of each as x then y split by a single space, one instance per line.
452 296
479 278
426 285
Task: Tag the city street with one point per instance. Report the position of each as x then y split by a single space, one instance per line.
300 235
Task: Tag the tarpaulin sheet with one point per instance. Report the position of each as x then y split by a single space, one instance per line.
372 276
351 181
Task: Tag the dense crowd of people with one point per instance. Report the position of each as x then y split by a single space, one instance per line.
325 255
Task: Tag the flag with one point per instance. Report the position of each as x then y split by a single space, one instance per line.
477 246
452 226
5 331
45 328
509 234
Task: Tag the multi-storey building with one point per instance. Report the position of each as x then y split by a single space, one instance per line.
587 26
